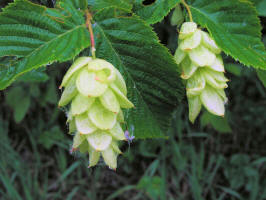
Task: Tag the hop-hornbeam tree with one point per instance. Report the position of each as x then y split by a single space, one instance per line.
115 61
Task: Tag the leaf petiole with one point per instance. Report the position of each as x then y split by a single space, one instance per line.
188 10
89 26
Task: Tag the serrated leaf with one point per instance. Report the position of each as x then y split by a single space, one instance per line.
38 36
35 75
155 12
260 5
78 4
153 82
100 4
235 27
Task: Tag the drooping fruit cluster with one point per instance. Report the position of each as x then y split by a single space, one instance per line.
96 92
203 69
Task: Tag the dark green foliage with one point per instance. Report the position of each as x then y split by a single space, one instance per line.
194 163
155 12
260 6
150 71
127 42
97 5
37 36
19 101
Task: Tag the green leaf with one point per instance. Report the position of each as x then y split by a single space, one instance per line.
51 95
155 12
35 75
235 27
100 4
153 82
19 101
260 5
38 36
51 137
233 68
220 124
262 76
177 17
21 108
78 4
151 185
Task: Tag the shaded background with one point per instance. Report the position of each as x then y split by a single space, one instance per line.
216 158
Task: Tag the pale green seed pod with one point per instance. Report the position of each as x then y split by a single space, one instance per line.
212 101
94 157
109 101
194 104
202 67
88 85
187 29
84 125
122 99
101 117
81 104
78 64
96 92
69 93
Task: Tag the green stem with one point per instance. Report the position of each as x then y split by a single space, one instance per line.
188 10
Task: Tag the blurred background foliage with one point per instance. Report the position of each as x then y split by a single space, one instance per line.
216 158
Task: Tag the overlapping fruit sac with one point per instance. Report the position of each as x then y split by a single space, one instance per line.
96 92
203 69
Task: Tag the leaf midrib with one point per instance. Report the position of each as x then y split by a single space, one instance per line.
36 50
59 36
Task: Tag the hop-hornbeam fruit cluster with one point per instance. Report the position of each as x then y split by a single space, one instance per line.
203 69
96 92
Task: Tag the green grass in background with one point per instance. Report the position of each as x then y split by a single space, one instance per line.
196 162
217 158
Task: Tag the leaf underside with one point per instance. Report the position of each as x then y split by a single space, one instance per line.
153 82
37 36
155 12
97 5
235 27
